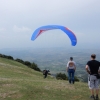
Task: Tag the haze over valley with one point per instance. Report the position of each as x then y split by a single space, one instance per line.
55 59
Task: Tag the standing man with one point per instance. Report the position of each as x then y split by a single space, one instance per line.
92 67
71 67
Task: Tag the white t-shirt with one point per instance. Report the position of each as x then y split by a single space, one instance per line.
71 67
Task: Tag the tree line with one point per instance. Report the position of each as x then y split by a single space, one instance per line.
27 63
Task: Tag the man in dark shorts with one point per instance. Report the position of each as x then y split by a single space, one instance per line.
92 67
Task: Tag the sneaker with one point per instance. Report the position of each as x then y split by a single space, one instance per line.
73 82
97 98
70 81
92 97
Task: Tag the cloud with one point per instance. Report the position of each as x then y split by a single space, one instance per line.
21 29
24 16
2 29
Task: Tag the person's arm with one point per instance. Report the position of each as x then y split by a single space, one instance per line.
99 68
75 67
67 69
99 71
87 69
67 66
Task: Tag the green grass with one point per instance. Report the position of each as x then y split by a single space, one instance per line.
18 82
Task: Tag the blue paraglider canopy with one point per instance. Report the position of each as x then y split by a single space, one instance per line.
68 32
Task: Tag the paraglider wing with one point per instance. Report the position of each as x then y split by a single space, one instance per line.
42 29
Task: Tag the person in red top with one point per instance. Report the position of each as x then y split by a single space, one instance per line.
92 67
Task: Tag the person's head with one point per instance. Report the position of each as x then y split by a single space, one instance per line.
93 56
71 58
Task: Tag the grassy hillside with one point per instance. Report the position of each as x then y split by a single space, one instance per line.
18 82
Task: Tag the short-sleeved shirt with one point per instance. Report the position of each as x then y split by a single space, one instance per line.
93 66
71 67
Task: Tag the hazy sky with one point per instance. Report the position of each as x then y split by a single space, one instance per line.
19 19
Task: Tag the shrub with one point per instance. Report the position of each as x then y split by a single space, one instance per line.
76 79
5 56
19 60
10 57
61 76
35 67
27 63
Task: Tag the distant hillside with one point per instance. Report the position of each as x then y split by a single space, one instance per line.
18 82
55 59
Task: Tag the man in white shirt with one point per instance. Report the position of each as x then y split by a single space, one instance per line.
71 67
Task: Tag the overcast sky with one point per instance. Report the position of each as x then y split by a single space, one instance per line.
19 19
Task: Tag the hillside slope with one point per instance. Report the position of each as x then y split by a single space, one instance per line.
18 82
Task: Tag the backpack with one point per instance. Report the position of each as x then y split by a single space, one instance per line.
44 72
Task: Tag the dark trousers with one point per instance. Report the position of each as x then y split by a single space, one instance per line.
71 75
45 75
